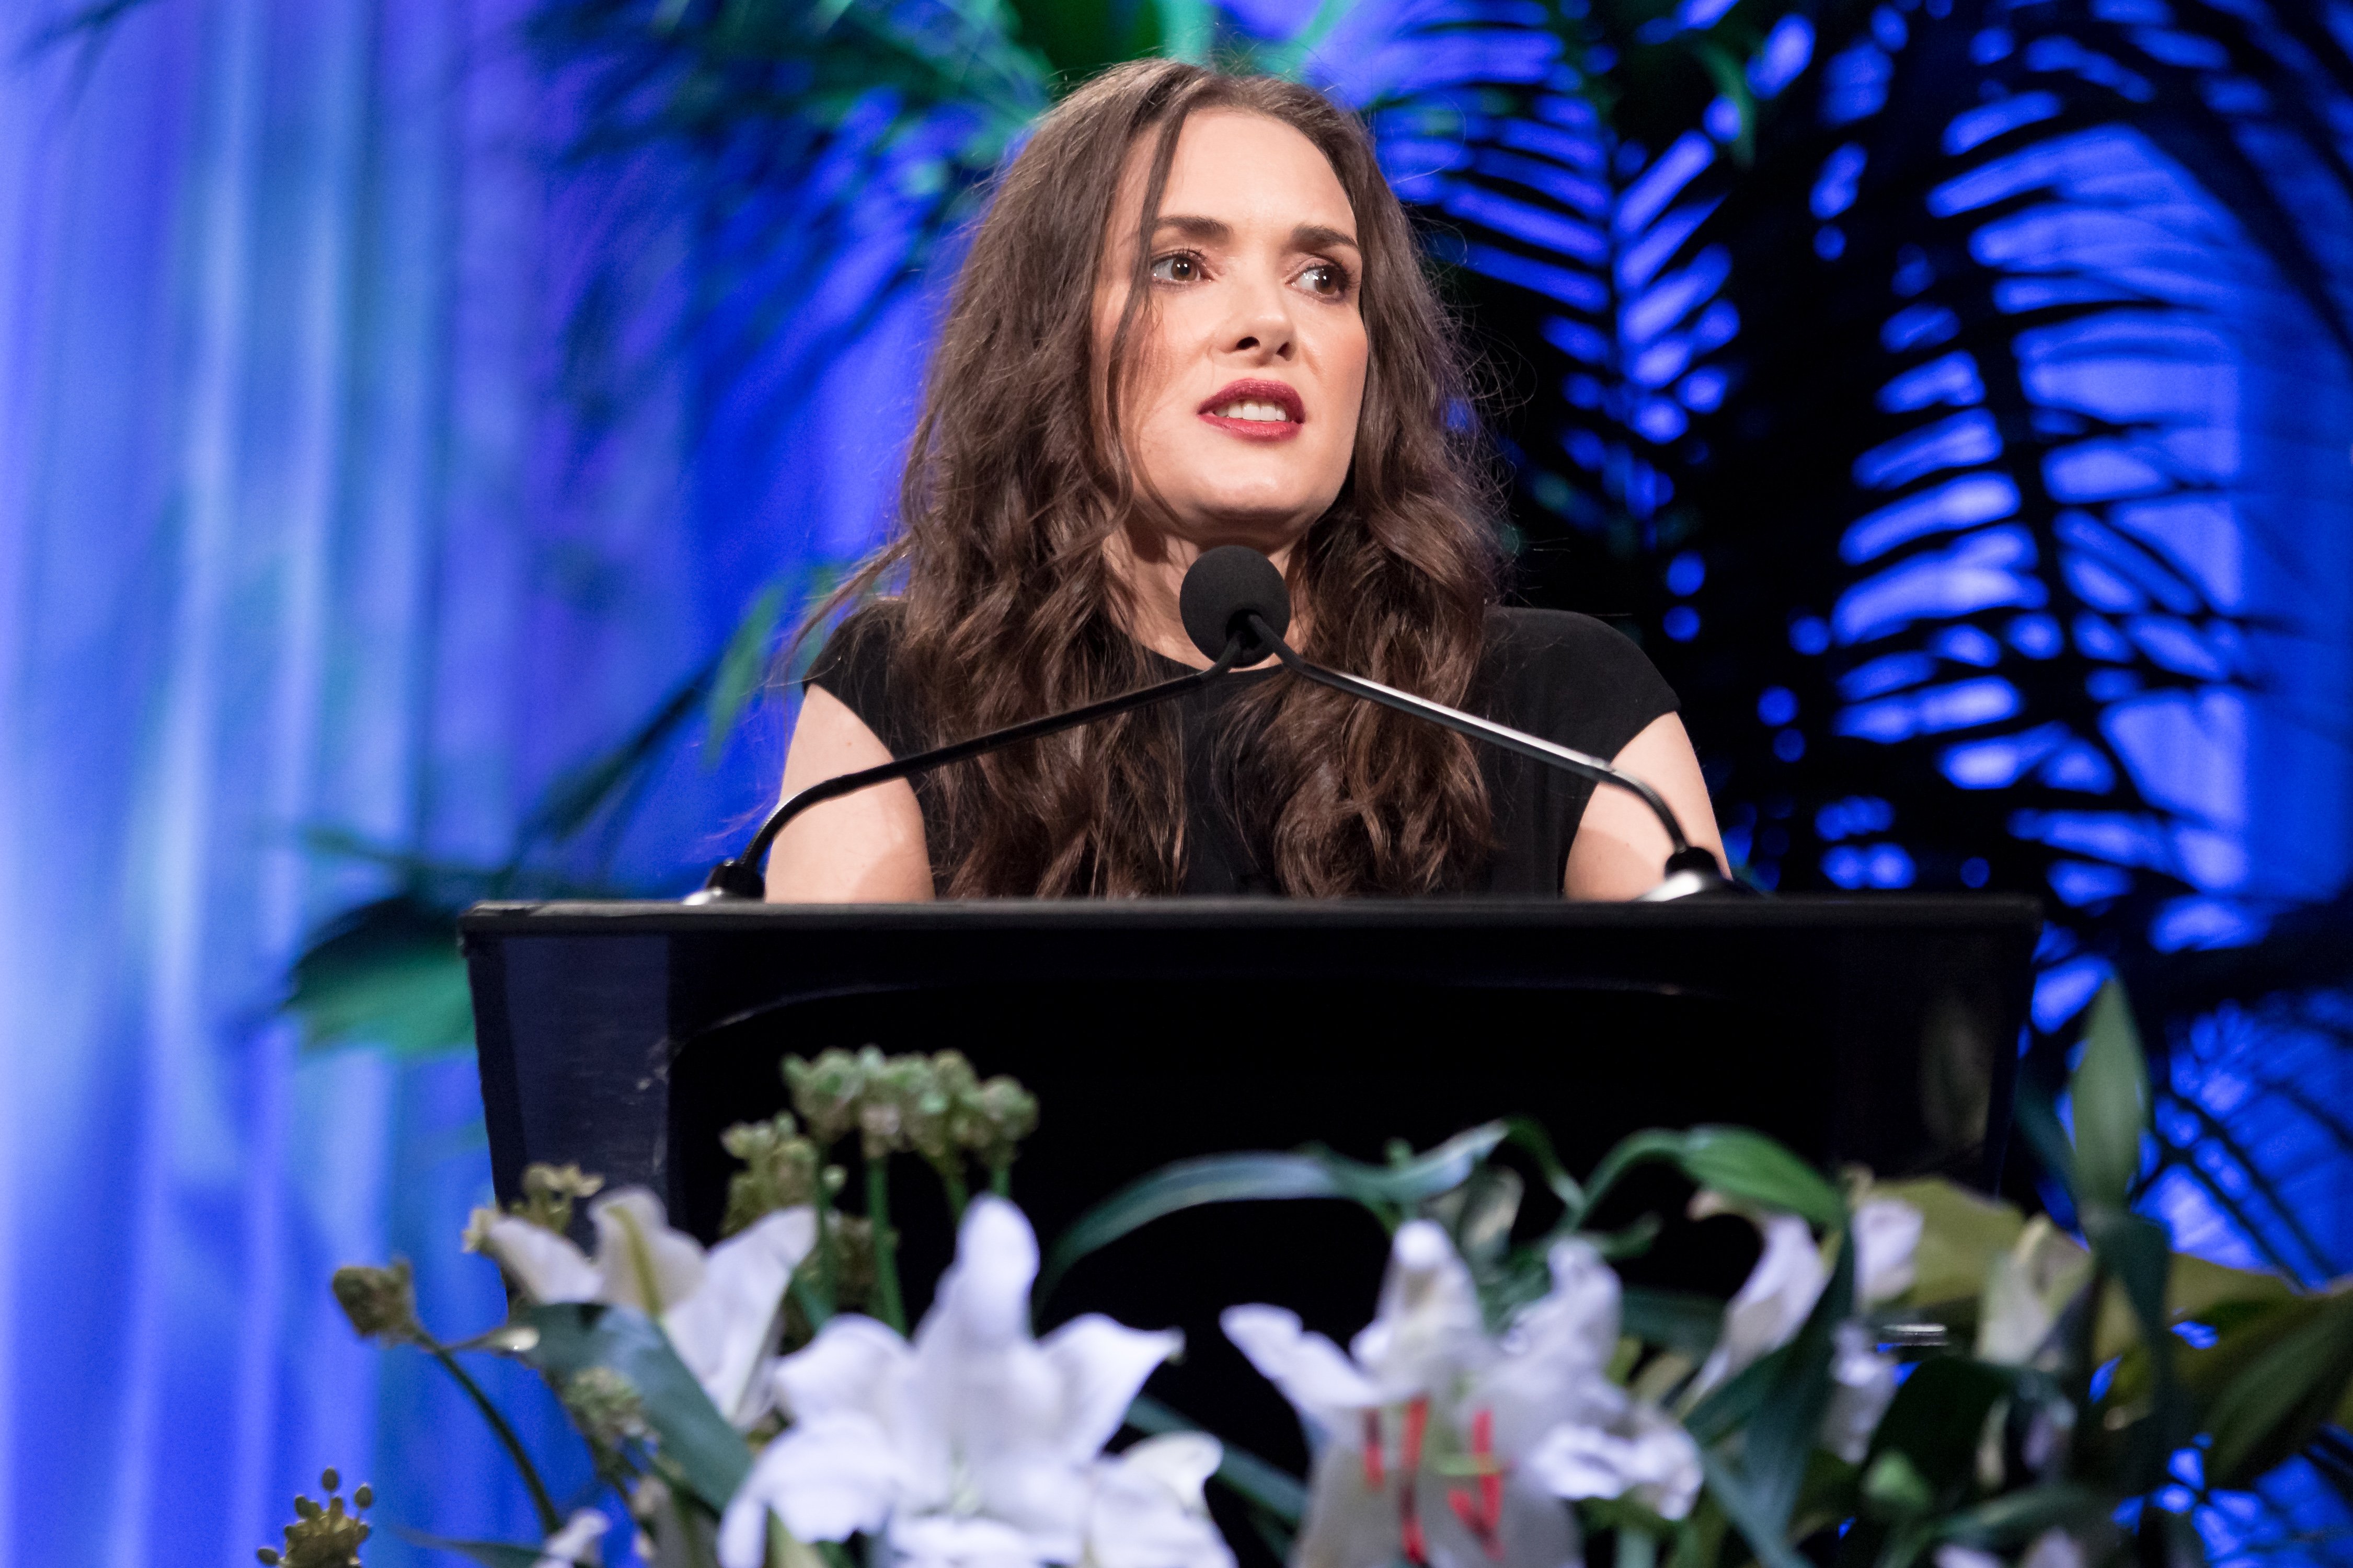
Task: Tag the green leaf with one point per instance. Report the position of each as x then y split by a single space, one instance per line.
1675 1319
2016 1517
1784 1433
574 1336
490 1553
387 974
1263 1177
743 667
1530 1138
1185 1185
1936 1418
2139 1255
1277 1491
2109 1095
2037 1121
1748 1514
1746 1167
2266 1413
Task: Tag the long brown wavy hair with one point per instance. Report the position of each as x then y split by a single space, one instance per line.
1008 607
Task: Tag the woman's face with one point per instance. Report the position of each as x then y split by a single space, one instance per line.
1242 417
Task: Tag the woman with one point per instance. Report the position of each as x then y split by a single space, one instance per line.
1195 316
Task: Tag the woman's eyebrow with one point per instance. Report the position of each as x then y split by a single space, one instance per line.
1208 229
1316 236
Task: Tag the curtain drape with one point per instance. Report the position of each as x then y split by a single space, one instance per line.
314 512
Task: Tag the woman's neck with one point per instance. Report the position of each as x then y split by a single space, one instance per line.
1153 570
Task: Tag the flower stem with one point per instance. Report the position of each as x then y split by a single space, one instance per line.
549 1518
951 1171
823 1288
1000 1176
886 1244
1637 1548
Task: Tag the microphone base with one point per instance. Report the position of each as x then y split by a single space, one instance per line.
1693 873
730 882
1690 885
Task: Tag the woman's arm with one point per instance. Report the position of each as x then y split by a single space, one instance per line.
864 848
1620 850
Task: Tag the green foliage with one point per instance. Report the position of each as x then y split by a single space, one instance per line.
387 974
2109 1096
696 1441
489 1554
1245 1178
1746 1167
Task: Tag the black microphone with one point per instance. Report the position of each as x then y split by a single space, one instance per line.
741 878
1233 589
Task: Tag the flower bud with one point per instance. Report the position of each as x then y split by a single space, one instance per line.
826 1091
549 1193
605 1405
781 1170
380 1303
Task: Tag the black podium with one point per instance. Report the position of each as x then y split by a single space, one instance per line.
1874 1028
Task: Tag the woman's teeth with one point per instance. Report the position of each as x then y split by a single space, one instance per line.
1272 411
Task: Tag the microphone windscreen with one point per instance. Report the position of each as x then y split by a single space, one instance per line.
1222 589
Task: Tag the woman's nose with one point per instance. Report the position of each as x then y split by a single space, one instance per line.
1264 327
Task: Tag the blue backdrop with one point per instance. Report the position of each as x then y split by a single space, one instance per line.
371 455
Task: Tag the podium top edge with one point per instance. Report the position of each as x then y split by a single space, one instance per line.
1959 912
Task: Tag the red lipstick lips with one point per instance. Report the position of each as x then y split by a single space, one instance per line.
1275 392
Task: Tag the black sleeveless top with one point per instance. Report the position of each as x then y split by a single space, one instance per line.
1567 677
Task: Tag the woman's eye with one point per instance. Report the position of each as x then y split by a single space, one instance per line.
1177 269
1327 280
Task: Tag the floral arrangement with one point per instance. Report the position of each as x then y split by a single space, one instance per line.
1912 1373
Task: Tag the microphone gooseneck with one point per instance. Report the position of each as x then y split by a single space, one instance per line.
1246 584
1235 609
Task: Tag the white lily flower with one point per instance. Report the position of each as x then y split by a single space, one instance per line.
976 1446
718 1308
1427 1405
1780 1294
1862 1385
1772 1304
575 1544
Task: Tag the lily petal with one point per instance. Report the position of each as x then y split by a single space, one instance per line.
645 1262
1147 1510
1428 1325
1555 1354
1350 1523
1310 1370
984 1296
1772 1304
853 1367
547 1266
721 1331
1862 1385
575 1543
827 1479
1887 1234
1647 1456
970 1541
1102 1364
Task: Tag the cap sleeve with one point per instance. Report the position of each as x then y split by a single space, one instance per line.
1573 680
854 667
